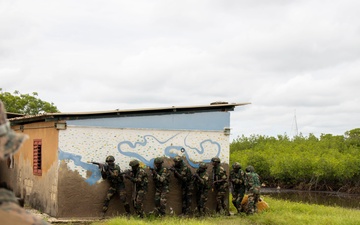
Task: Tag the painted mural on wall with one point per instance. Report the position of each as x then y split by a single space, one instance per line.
80 145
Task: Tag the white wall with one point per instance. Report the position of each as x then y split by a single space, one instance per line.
78 145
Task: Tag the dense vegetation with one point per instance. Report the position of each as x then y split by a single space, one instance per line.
25 103
325 163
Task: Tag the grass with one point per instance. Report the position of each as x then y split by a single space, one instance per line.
280 212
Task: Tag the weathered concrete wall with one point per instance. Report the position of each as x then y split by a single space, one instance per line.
81 189
80 199
38 191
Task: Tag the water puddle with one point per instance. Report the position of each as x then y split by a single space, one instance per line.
315 197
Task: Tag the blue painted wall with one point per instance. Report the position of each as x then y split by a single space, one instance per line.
207 121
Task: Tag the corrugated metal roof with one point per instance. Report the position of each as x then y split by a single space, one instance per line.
10 115
215 106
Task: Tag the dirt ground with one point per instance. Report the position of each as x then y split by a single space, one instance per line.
53 220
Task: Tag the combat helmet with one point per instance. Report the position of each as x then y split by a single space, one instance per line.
158 160
134 162
236 165
250 169
215 159
110 158
178 159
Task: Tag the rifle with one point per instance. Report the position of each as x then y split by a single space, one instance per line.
127 173
153 171
176 173
102 166
231 187
214 181
196 176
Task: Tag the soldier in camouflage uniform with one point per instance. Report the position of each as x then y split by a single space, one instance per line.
113 174
161 180
253 189
140 179
10 210
201 183
184 175
219 185
237 179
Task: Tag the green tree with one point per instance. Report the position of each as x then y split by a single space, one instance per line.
330 162
353 137
26 104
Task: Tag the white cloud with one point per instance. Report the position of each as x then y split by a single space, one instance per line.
282 56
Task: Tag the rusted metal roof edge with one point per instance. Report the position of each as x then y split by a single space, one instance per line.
10 115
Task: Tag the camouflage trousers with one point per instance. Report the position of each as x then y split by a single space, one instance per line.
220 201
186 197
160 201
12 213
253 199
122 193
237 197
201 199
139 202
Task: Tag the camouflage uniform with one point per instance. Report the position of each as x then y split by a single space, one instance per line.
161 180
12 213
253 188
117 185
237 179
201 184
184 175
220 185
10 210
140 179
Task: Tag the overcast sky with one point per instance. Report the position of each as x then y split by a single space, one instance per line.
287 58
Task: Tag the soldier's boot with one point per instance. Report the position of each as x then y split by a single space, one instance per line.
162 213
250 210
102 215
203 211
127 209
187 211
183 212
226 210
104 209
217 208
200 211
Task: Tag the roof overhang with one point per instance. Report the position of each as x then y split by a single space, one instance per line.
10 115
222 106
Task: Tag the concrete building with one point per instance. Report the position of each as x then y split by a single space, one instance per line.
52 170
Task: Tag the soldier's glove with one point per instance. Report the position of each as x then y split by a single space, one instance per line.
153 172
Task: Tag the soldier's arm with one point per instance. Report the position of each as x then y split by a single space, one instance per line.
223 176
203 180
104 173
176 173
163 176
139 176
233 179
183 177
115 174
